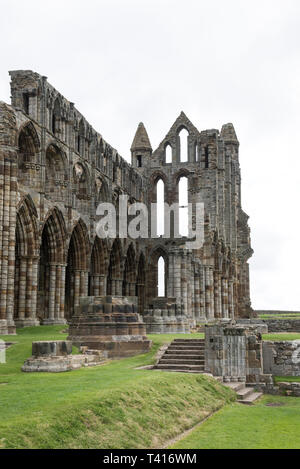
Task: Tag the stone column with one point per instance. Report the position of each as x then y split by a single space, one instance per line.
177 278
170 283
211 287
197 295
202 292
225 298
62 292
184 283
28 307
217 295
231 299
22 289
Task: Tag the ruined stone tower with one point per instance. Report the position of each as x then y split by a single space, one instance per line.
55 169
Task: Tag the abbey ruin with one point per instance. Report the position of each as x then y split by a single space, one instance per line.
54 171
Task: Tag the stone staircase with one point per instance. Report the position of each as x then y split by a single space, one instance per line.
183 355
246 395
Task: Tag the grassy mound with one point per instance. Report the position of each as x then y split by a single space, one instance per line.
110 406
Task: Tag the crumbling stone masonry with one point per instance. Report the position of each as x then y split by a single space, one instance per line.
56 357
282 358
55 169
234 352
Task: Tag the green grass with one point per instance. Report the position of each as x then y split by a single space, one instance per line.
287 379
280 316
237 426
281 337
109 406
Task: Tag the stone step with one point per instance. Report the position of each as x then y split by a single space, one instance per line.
251 398
182 347
175 367
181 356
189 342
179 371
180 361
244 393
235 386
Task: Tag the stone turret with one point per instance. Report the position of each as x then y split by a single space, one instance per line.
141 147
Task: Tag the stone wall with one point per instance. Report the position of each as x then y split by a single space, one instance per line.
282 358
233 352
273 325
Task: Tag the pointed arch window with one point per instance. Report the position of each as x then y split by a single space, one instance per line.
161 277
206 157
160 212
183 138
168 154
183 206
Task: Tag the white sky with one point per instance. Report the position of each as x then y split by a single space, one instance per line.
126 61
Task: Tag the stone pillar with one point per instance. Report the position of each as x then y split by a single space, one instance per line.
197 295
52 288
225 313
177 278
22 288
62 292
189 286
217 295
231 299
202 292
184 294
170 283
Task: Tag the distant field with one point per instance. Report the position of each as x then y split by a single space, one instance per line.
281 337
279 315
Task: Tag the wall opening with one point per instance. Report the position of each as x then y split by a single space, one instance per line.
183 137
183 206
168 154
161 277
160 210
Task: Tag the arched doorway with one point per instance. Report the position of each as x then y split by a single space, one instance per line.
114 280
99 266
141 284
52 270
129 277
77 273
26 265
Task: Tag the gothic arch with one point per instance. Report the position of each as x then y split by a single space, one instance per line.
152 277
26 250
56 173
98 268
77 272
51 268
115 269
129 275
141 283
28 149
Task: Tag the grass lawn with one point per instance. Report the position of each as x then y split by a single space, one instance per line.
281 337
272 423
109 406
287 379
279 316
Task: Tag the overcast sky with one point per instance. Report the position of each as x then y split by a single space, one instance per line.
126 61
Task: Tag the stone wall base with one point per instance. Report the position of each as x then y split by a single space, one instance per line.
53 322
60 364
7 327
27 322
